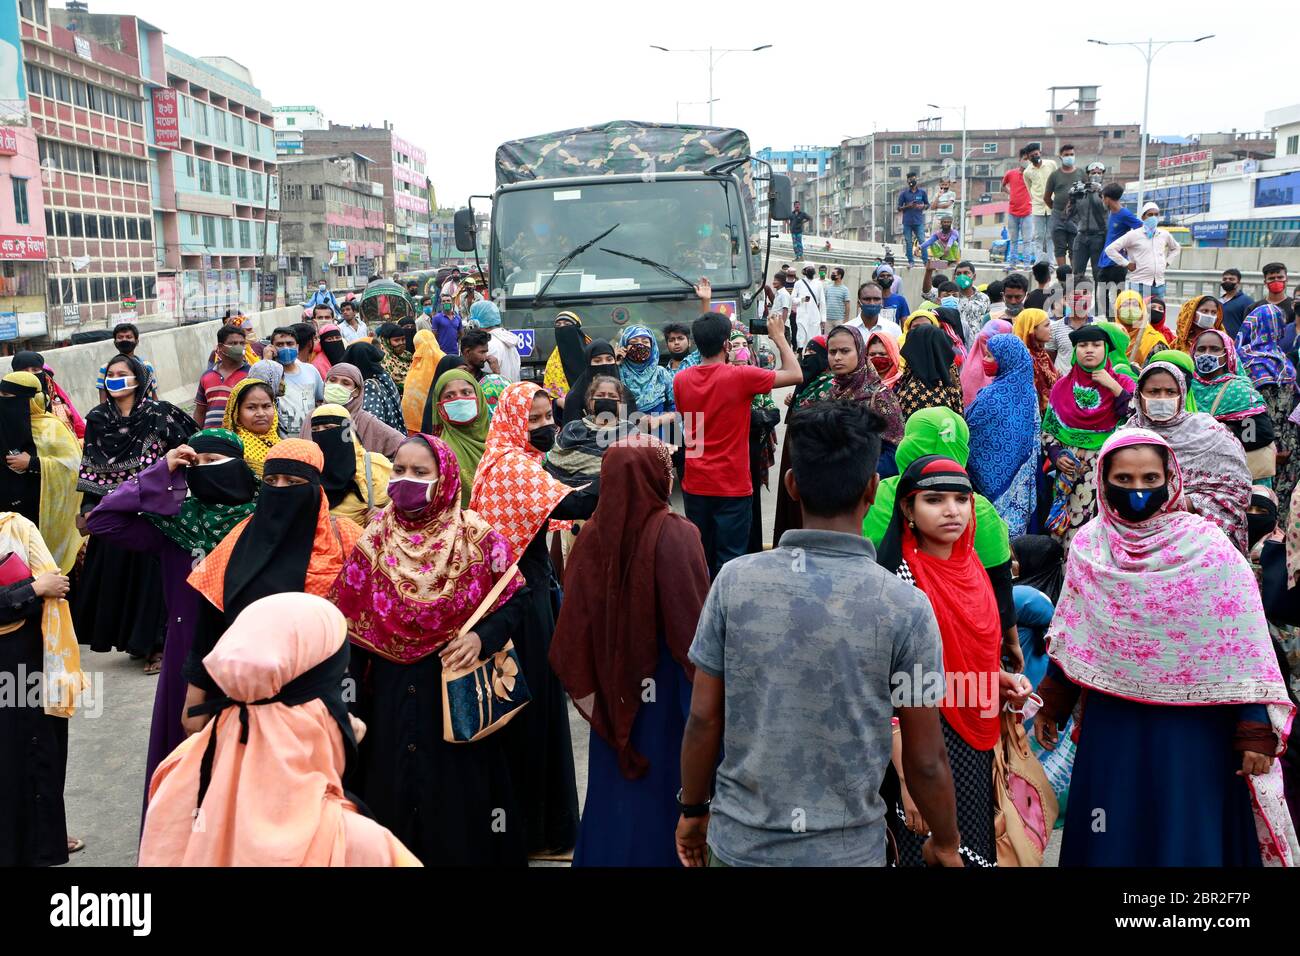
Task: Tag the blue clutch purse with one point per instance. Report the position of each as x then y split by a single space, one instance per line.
482 699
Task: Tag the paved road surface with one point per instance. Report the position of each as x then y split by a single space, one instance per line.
105 784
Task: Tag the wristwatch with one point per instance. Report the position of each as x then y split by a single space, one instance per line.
690 810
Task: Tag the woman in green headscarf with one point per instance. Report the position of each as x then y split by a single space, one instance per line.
941 431
462 422
1117 348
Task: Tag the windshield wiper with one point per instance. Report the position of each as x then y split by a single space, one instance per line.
657 266
537 299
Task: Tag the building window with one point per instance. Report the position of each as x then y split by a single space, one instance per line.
257 186
137 113
221 124
914 149
209 231
62 88
119 227
205 176
243 233
75 228
133 229
22 215
317 193
79 96
189 166
194 224
990 147
1292 145
146 229
95 97
945 149
223 179
241 183
1119 134
895 149
110 289
92 227
96 290
227 233
106 227
290 121
202 118
185 106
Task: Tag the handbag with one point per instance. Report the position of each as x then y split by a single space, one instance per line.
484 697
14 569
1025 806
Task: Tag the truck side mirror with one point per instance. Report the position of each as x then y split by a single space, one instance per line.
466 230
779 196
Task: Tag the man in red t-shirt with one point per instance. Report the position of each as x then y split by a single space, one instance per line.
1020 224
714 400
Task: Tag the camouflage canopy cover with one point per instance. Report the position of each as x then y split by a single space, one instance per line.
622 147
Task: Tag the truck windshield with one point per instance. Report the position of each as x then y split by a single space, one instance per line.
693 228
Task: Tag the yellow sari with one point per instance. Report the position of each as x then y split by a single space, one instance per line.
419 379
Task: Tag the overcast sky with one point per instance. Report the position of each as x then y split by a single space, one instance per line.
488 71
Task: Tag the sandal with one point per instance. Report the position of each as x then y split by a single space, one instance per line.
153 665
76 845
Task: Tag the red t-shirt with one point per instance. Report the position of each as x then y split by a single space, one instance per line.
714 402
1021 204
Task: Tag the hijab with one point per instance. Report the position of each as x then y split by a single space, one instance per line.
467 441
1227 394
289 543
973 377
960 594
891 351
493 385
600 652
1259 342
512 490
574 410
1167 612
373 434
928 355
651 384
415 578
265 776
256 447
1079 413
1003 420
555 380
380 395
863 384
1216 478
1117 343
1045 373
396 364
1188 331
813 367
1042 563
339 474
220 496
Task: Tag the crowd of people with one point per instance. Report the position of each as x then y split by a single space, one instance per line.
374 567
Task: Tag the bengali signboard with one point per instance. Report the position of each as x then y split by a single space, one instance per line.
22 247
166 121
8 326
270 282
8 141
1185 159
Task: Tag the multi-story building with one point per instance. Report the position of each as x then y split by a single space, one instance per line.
215 188
332 216
88 78
290 122
804 165
400 168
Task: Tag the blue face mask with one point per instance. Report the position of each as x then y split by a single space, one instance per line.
286 356
428 310
1150 223
948 302
870 311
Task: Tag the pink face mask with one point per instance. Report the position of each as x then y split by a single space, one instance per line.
741 355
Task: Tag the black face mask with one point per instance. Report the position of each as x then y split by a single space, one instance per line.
542 438
125 346
1228 286
339 476
229 482
607 407
1260 525
334 350
1134 505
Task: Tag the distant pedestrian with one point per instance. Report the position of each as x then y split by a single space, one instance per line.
1036 174
1087 212
837 300
1236 303
1056 198
1111 275
1020 227
912 203
1145 253
797 220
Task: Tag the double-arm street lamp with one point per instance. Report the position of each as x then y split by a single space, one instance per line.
715 56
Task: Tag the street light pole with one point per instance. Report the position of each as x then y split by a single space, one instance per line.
962 213
681 103
709 51
1148 51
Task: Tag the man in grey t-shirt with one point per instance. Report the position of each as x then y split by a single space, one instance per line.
802 655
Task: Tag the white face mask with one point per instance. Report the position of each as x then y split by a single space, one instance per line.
1206 320
1161 409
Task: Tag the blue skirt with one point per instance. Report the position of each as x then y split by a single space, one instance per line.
634 822
1156 785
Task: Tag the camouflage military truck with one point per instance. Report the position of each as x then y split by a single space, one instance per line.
617 223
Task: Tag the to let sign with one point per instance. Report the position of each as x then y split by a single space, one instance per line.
8 141
22 247
166 123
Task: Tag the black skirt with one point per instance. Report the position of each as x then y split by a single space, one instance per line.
118 602
33 761
450 804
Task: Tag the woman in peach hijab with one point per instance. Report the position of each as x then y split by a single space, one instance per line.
262 784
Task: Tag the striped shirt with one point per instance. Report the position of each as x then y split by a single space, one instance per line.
214 392
837 304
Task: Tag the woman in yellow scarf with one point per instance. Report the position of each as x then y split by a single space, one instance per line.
555 381
251 414
1190 326
58 463
354 480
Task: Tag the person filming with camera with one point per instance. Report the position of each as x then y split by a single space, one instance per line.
1087 211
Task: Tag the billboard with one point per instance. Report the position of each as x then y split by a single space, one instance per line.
1283 190
13 84
1185 159
166 122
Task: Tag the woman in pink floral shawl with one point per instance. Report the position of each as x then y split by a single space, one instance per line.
1160 639
419 571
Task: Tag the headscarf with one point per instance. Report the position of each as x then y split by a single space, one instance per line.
380 396
333 351
960 594
1182 361
256 447
270 765
288 543
1216 477
416 578
1152 336
928 355
651 384
60 404
512 490
1003 420
554 380
61 670
574 410
891 350
1259 342
951 323
1228 395
1079 414
1132 333
973 376
1188 331
352 485
1042 563
1045 373
373 434
939 431
52 443
493 385
813 367
200 525
485 314
118 447
1167 612
600 652
863 384
446 364
396 364
467 442
921 313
